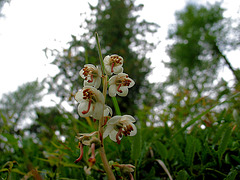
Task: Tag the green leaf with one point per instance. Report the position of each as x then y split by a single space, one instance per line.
136 145
224 142
219 133
167 130
198 145
236 117
190 150
178 152
161 149
182 175
236 158
232 175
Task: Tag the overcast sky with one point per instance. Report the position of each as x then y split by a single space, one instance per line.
30 26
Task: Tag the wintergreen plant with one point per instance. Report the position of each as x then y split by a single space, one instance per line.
92 104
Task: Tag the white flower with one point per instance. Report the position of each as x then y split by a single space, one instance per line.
118 126
107 111
91 102
91 75
113 64
119 84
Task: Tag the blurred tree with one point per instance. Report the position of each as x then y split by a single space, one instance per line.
18 105
201 35
121 32
2 2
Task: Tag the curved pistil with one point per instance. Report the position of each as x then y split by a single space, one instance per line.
80 145
89 105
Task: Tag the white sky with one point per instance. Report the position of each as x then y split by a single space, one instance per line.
30 26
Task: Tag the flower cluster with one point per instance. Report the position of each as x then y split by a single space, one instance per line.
92 104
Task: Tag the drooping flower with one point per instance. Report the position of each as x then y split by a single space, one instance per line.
88 139
119 84
126 170
113 64
91 102
118 126
91 75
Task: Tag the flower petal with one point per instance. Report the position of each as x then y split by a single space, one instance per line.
79 95
107 110
114 120
83 106
108 70
124 90
106 59
128 118
112 90
98 111
131 83
112 80
117 69
113 134
97 82
107 130
100 97
134 131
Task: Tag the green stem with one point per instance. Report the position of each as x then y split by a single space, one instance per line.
99 52
100 130
116 106
101 121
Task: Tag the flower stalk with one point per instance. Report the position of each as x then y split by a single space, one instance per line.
92 105
102 121
100 131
